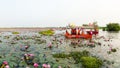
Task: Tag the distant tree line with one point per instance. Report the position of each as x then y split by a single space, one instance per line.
112 27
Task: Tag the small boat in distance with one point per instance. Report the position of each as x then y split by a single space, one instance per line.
79 32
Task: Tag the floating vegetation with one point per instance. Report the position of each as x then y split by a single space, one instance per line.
6 37
39 41
13 42
15 33
91 44
113 50
17 38
84 58
47 32
109 52
61 55
0 41
77 55
91 62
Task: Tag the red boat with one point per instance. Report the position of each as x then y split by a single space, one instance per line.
76 32
82 35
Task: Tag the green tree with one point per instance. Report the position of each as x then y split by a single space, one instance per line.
113 27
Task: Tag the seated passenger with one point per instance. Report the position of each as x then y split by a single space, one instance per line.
67 32
78 31
73 31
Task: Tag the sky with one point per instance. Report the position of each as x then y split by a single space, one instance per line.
57 13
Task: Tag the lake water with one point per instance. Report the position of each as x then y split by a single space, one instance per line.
102 51
10 47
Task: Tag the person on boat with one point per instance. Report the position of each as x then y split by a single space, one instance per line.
82 31
67 32
79 31
73 31
91 33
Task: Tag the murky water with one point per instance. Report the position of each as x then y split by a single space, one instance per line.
10 48
113 43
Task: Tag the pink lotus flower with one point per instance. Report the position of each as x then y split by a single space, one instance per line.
7 66
44 65
5 62
48 66
26 46
31 54
36 65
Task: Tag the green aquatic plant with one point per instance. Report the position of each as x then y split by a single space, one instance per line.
61 55
113 50
13 42
91 62
109 52
17 38
47 32
11 61
15 33
6 37
83 57
0 41
77 55
39 41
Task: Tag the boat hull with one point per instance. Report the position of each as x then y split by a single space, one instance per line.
84 36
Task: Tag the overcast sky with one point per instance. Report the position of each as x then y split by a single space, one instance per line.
45 13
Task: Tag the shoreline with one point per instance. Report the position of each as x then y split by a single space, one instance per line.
10 29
